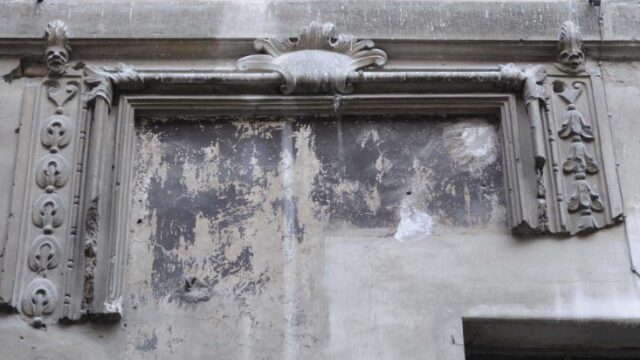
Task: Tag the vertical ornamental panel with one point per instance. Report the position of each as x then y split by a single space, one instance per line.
51 189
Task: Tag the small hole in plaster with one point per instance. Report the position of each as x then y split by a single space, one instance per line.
558 86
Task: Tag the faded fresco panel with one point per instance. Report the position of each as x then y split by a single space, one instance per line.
255 212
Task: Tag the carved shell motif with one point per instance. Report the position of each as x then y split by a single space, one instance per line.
318 62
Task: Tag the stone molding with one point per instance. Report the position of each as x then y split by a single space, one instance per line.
66 254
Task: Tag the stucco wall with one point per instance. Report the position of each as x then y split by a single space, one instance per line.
378 298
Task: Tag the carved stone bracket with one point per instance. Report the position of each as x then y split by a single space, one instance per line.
57 53
570 56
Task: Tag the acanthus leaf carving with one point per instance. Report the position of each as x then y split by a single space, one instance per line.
579 159
574 124
534 77
570 56
583 197
100 82
318 62
579 162
39 299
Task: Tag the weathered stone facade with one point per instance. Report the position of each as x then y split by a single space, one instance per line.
311 180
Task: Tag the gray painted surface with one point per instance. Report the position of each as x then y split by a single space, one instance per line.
358 293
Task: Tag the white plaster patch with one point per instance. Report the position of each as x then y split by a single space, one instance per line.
471 145
150 154
368 135
415 224
202 176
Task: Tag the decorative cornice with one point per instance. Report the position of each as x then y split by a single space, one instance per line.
318 62
58 51
570 57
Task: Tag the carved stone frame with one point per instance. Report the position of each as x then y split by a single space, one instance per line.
110 272
559 172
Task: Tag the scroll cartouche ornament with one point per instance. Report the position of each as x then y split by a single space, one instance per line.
319 61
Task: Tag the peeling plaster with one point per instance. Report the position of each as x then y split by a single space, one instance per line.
248 206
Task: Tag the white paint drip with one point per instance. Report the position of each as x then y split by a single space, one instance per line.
414 223
288 243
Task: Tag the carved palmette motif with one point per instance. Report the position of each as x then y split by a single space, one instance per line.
52 173
48 212
44 253
55 133
39 299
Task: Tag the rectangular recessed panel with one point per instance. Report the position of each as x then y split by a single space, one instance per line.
258 213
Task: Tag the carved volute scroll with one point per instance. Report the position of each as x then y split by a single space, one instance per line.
570 56
318 62
57 53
